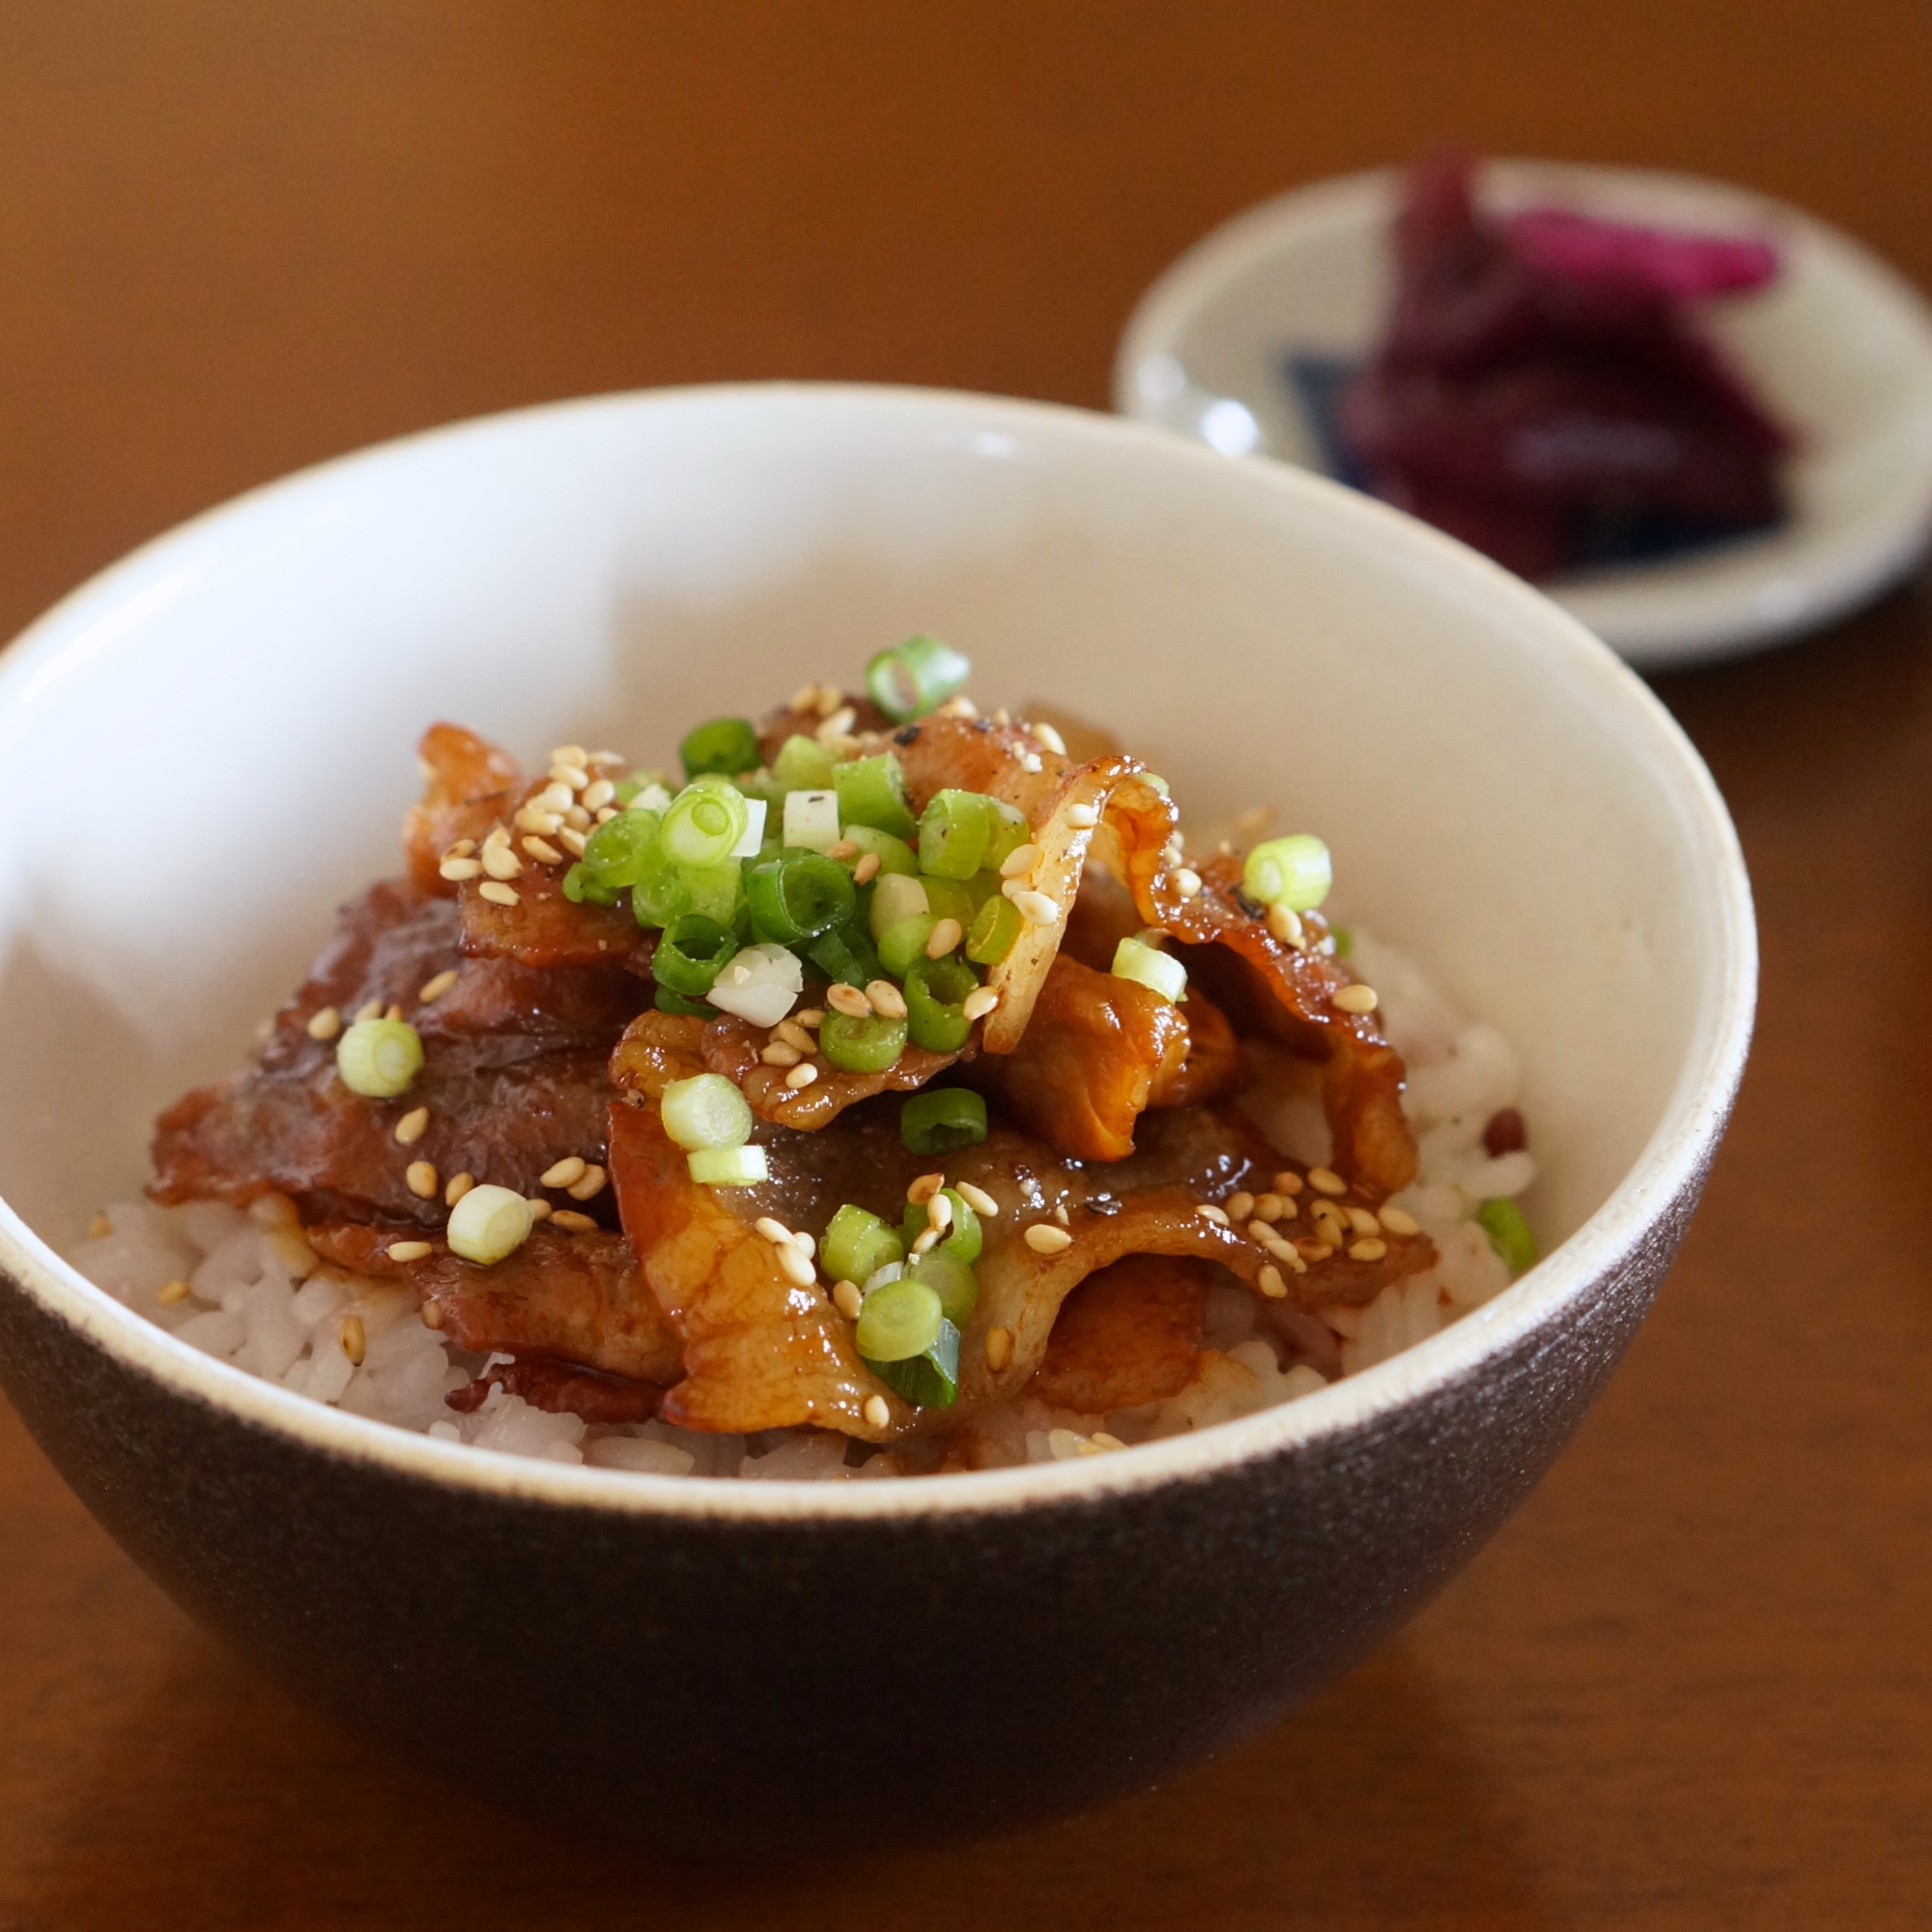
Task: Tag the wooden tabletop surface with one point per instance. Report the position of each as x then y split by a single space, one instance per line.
1688 1684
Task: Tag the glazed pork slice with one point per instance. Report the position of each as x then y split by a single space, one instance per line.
1129 1334
513 1078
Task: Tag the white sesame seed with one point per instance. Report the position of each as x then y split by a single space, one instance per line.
866 869
978 1003
1399 1221
1082 817
999 1349
809 1016
422 1179
411 1128
540 1209
462 849
500 862
795 1265
842 848
788 1033
939 1212
1284 922
849 1001
528 818
977 1198
876 1411
846 1298
572 840
1326 1181
806 1244
804 698
778 1054
925 1188
369 1009
171 1291
1051 739
838 725
435 988
562 1173
1031 761
1241 1205
588 1184
1362 1221
456 870
828 698
458 1186
392 1011
1271 1285
886 999
926 1241
542 850
772 1229
1036 908
598 793
1208 1211
572 774
1019 861
1187 883
568 754
801 1076
1270 1206
605 814
1044 1239
398 1251
555 798
1288 1181
325 1024
499 895
944 936
569 1217
1368 1250
1357 998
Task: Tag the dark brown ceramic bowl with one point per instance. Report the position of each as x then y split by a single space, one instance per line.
745 1664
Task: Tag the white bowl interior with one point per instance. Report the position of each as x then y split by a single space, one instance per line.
205 750
1840 345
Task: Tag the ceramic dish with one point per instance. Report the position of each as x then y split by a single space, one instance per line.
753 1663
1841 347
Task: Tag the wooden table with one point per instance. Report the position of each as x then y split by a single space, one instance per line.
1688 1687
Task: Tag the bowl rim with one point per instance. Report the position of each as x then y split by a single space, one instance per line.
1671 1163
1649 621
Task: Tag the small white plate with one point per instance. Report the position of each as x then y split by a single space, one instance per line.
1840 347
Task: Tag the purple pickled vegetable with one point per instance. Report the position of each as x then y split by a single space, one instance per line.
1680 268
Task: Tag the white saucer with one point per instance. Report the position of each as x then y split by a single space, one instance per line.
1841 347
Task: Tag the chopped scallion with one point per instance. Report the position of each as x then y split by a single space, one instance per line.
1295 871
1502 1220
871 791
950 899
1011 831
729 1167
963 1237
668 1002
915 677
954 832
725 745
378 1059
845 956
927 1380
690 954
803 764
1149 967
904 941
797 898
895 897
707 1111
900 1321
707 819
994 929
857 1244
489 1223
950 1278
896 856
867 1045
934 991
718 892
942 1119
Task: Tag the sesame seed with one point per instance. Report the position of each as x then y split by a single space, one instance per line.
560 1173
462 849
435 988
1367 1250
977 1198
1208 1211
1036 908
926 1241
577 819
497 893
1044 1239
572 840
999 1349
837 725
788 1033
529 818
542 850
1002 718
1019 861
605 814
598 795
846 1298
1399 1221
1328 1223
886 999
1101 1439
842 848
849 1001
354 1337
1271 1285
1030 761
540 1209
960 706
1357 998
795 1265
570 1218
588 1184
325 1024
939 1212
866 869
978 1003
772 1229
876 1411
456 870
1283 923
392 1011
572 774
809 1016
1082 1445
408 1251
1291 1257
431 1314
1051 739
804 698
1362 1221
925 1188
171 1291
459 1186
778 1054
944 936
422 1179
554 798
1288 1181
1187 883
1082 817
827 700
1326 1181
410 1129
1060 1215
1270 1208
500 862
369 1009
1241 1205
1312 1250
568 754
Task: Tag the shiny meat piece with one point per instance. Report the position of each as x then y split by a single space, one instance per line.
467 785
563 1389
513 1077
577 1298
543 928
1129 1334
1212 1063
760 1351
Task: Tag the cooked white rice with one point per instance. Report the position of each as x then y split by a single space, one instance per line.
256 1297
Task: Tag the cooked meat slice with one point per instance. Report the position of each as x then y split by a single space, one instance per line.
468 787
576 1298
563 1389
543 928
790 721
513 1077
761 1349
1130 1333
1212 1066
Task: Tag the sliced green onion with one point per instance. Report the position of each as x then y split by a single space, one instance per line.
871 791
762 983
489 1223
616 854
803 764
942 1119
950 1278
994 929
707 819
915 677
1010 832
950 899
812 819
725 745
705 1110
904 942
897 1322
858 1244
580 885
1149 967
954 832
928 1381
845 956
729 1167
1502 1220
896 856
1295 873
963 1237
894 897
1344 941
690 954
934 990
379 1058
718 892
867 1045
1159 783
668 1002
794 900
660 894
644 791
